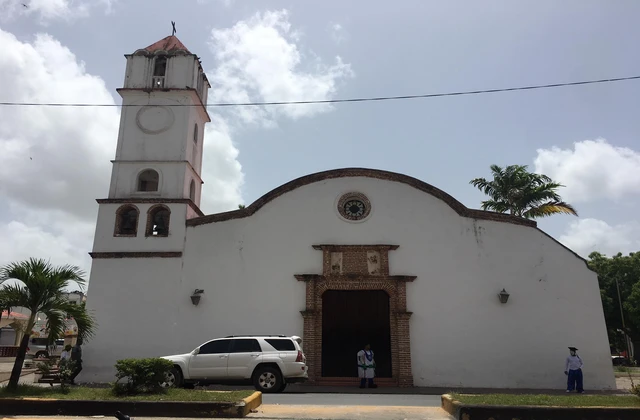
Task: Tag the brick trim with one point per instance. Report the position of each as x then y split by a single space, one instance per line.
339 248
107 255
132 200
394 285
457 206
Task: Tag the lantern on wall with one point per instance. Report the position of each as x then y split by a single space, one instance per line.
503 296
195 297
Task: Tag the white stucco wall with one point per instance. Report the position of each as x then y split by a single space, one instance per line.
104 241
460 334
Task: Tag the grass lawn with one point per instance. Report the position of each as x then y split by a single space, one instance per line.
81 393
571 400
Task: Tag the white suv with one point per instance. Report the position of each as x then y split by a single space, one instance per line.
270 362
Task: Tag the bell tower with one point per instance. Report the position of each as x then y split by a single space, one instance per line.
156 177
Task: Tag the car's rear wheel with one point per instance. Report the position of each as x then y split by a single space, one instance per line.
173 379
268 380
42 354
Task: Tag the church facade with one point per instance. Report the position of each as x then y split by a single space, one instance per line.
447 296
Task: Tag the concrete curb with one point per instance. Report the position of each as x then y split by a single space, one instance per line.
461 411
250 403
51 407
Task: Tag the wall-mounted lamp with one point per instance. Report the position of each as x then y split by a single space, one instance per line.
195 297
503 296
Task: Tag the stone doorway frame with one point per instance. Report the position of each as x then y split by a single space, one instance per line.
354 274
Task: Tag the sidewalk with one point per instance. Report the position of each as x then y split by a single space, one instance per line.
311 389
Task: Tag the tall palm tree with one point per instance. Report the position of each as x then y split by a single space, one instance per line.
517 191
40 288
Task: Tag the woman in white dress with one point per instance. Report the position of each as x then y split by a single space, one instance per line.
366 367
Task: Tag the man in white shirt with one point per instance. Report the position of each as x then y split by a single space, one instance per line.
366 367
573 370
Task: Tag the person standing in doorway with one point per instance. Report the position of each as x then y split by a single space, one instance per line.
76 358
366 367
573 370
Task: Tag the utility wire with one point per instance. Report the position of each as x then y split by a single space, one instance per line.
333 101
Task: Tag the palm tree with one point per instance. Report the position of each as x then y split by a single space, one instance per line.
517 191
41 289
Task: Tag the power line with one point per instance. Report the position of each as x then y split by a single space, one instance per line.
333 101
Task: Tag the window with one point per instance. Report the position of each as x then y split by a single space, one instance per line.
192 190
160 66
148 180
158 221
245 345
127 221
215 347
281 344
159 72
195 134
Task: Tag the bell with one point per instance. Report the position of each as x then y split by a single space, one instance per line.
159 227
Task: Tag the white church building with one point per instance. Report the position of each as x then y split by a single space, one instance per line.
447 296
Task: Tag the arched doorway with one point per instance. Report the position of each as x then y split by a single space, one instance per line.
351 319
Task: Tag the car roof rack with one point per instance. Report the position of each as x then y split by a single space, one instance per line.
257 335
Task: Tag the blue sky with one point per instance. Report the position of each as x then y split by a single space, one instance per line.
54 163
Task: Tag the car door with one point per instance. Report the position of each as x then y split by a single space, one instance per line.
211 359
244 355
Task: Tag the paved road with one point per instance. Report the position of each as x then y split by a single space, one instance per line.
353 399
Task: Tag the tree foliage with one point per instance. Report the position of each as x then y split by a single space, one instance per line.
40 288
621 271
517 191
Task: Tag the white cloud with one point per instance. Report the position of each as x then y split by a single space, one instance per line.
593 170
225 3
337 32
54 162
50 10
222 173
258 60
587 235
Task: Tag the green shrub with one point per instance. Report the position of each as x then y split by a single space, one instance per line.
44 367
143 376
66 369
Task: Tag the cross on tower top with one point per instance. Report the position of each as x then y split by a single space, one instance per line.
173 25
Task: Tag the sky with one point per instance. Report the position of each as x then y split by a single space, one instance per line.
54 162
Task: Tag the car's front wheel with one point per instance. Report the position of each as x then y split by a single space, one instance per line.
268 380
42 355
173 379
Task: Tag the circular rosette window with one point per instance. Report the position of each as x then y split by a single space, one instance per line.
354 206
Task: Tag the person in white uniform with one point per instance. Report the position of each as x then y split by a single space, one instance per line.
366 367
573 370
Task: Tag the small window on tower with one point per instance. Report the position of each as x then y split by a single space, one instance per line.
159 71
158 221
126 221
195 133
148 180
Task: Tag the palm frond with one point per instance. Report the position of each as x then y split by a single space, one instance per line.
13 295
549 209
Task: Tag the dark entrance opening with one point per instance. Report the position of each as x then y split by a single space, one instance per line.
350 320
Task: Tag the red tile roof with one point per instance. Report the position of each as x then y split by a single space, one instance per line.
14 315
169 43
